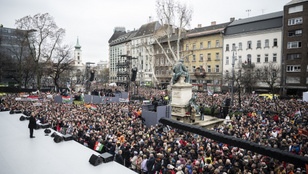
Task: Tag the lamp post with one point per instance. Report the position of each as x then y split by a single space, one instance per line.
232 84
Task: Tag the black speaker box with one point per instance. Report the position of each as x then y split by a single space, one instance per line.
67 137
47 131
22 118
95 160
46 125
18 112
53 134
57 139
107 157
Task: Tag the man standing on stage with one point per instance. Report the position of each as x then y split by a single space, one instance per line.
32 124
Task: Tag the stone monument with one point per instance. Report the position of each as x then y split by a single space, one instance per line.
181 93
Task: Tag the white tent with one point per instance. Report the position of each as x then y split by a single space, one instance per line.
305 96
112 84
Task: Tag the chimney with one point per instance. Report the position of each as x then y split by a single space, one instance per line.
213 23
232 19
199 25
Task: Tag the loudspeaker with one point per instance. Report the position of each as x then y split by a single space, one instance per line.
228 101
67 137
57 139
92 76
22 118
53 134
107 157
45 125
134 74
95 160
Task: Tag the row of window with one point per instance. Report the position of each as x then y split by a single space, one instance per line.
201 45
249 58
249 45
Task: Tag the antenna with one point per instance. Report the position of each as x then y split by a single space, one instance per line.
248 10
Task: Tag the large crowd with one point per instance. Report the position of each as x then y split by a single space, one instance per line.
163 149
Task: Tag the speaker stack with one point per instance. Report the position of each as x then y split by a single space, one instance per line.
103 158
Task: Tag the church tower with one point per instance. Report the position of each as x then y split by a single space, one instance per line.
77 54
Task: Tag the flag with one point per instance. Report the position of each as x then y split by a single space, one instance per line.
82 97
93 107
66 99
68 86
296 114
32 98
98 146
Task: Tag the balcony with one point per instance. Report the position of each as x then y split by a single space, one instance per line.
248 65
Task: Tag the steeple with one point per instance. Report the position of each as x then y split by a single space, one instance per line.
77 46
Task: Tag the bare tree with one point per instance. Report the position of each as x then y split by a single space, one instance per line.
43 41
60 63
172 15
270 75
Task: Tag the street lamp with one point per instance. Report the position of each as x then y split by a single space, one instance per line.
233 62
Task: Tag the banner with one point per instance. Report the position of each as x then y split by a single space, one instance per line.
98 146
122 100
32 98
66 99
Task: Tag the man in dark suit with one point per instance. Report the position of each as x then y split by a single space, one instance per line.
32 125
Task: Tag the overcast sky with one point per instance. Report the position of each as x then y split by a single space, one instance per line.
93 21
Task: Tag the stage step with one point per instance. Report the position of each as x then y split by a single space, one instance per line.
208 122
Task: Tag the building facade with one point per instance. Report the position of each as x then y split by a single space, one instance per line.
142 49
295 43
204 47
250 44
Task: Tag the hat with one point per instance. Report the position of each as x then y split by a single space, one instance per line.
169 166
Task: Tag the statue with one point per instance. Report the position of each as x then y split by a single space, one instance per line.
179 69
192 102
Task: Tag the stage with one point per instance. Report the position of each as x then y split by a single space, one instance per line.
21 154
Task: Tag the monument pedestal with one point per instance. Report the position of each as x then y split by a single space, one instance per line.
181 94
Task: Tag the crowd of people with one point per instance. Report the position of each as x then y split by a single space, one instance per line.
163 149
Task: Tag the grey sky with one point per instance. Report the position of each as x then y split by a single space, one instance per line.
93 21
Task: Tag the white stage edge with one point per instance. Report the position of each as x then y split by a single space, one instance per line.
21 154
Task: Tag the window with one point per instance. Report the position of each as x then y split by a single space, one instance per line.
227 60
295 33
248 44
209 68
295 21
209 44
266 43
194 58
294 56
296 9
227 47
193 68
233 47
258 58
274 57
240 46
217 68
167 72
208 56
295 44
201 45
157 72
259 44
217 56
201 57
292 79
162 71
187 47
157 61
162 61
194 46
293 68
239 59
266 58
78 57
217 43
275 43
249 59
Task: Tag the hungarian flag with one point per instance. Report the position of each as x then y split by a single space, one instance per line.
296 114
98 146
33 98
93 107
66 99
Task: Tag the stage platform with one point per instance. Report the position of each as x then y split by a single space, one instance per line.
21 154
